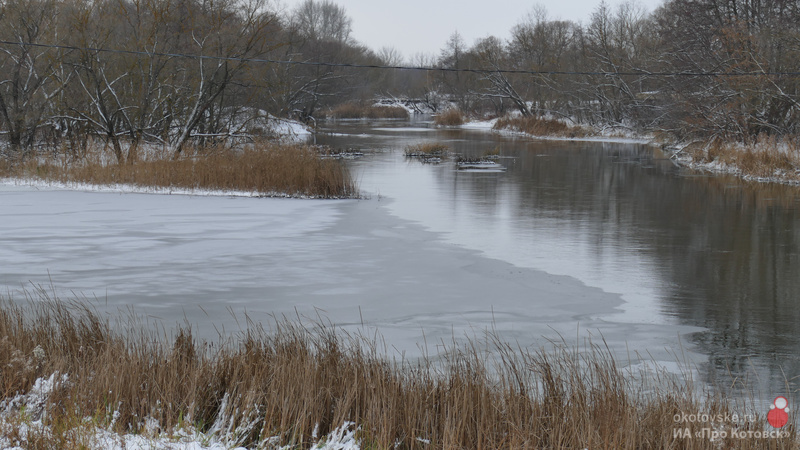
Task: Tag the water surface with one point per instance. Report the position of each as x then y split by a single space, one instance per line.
682 248
572 239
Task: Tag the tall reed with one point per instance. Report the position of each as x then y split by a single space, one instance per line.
449 118
265 168
291 383
766 156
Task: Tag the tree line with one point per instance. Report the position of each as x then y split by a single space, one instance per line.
179 72
182 74
694 69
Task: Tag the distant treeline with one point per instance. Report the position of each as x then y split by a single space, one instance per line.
692 69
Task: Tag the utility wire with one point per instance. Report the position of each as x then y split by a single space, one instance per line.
383 67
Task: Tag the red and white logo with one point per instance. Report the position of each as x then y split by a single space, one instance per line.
778 414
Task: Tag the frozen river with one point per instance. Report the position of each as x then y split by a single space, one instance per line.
572 240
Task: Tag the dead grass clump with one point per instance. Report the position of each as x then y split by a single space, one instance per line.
427 149
265 168
284 387
352 110
450 118
539 126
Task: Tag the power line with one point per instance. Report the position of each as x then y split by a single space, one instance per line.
417 68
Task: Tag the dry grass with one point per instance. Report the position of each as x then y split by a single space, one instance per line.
767 156
539 126
353 110
428 149
449 118
264 168
291 381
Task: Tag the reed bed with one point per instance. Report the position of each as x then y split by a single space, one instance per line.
264 168
450 118
291 383
765 157
353 110
539 126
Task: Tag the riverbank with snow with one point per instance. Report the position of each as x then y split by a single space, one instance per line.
769 161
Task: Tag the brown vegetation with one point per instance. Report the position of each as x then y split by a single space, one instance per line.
428 149
765 157
539 126
351 110
288 382
263 168
451 118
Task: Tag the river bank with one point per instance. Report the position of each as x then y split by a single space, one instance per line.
260 168
438 255
765 160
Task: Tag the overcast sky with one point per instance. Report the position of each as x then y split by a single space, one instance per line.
413 26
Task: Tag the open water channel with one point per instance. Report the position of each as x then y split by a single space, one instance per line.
572 240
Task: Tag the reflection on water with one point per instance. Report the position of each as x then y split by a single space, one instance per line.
683 249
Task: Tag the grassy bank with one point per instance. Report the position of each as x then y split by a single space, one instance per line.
540 126
766 158
264 168
761 158
291 385
353 110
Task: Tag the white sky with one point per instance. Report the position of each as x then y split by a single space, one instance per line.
413 26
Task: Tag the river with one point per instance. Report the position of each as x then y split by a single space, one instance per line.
571 241
683 249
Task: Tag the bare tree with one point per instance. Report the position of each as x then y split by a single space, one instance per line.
223 35
323 21
493 57
30 79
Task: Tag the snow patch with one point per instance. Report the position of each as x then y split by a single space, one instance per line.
289 130
34 401
607 135
480 125
221 436
120 188
342 438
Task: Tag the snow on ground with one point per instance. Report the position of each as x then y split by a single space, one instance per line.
247 120
21 418
718 167
480 125
289 130
121 188
722 168
614 136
